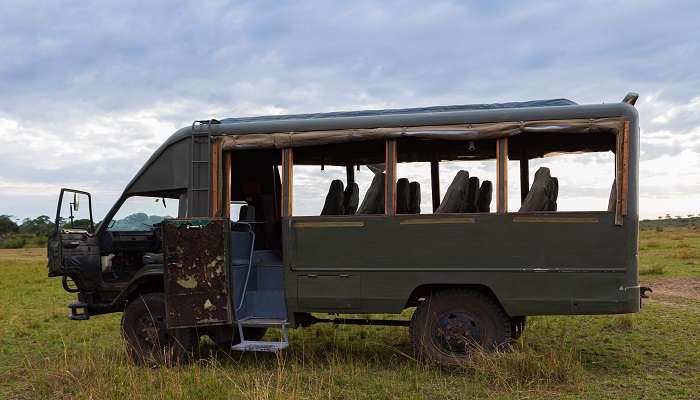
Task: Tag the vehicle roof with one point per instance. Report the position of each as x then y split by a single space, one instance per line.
401 111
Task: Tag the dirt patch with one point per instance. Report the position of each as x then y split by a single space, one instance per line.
687 288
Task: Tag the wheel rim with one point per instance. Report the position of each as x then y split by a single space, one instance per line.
457 332
150 331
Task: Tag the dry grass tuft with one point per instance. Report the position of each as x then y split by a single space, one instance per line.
686 254
525 368
652 270
650 244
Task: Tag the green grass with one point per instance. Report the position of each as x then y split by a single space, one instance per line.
652 354
675 252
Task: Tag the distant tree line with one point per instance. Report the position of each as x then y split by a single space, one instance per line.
30 232
691 221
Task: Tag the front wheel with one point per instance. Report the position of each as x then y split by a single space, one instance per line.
447 326
147 338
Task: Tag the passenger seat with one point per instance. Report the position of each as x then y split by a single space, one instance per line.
472 195
414 203
403 196
334 199
373 203
351 198
483 204
612 200
455 200
543 193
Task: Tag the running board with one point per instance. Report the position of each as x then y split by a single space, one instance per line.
260 345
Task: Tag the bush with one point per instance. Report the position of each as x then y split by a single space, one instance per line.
21 240
13 242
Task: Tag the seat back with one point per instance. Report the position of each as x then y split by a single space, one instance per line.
334 199
373 203
483 203
472 194
414 203
246 213
543 192
455 200
552 198
351 198
612 200
403 196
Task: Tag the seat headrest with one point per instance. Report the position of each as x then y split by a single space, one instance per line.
373 203
483 204
455 200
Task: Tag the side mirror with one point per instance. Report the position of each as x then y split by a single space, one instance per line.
76 202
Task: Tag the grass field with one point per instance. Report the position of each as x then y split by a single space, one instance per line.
653 354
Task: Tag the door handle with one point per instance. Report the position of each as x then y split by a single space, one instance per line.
71 245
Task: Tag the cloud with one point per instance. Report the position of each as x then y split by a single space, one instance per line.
89 90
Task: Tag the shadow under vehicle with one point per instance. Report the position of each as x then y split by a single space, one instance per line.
208 238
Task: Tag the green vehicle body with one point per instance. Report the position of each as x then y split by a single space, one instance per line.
534 263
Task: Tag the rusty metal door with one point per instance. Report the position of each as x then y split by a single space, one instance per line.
196 272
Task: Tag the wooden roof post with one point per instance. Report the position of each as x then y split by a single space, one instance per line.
390 178
524 175
435 182
502 175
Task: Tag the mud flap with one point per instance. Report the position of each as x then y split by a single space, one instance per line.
196 273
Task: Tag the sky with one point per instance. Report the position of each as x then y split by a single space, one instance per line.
88 90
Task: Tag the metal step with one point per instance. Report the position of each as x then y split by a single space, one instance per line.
262 322
259 345
255 345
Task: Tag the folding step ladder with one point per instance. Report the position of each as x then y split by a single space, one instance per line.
261 345
258 316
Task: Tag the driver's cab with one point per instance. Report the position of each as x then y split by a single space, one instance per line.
107 255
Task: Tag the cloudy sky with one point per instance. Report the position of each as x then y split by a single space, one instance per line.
88 91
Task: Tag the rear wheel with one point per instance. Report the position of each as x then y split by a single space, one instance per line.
147 338
448 325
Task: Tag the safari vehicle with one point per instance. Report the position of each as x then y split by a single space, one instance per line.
217 233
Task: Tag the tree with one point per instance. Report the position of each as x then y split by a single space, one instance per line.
40 225
7 225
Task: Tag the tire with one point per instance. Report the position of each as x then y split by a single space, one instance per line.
447 326
147 339
227 336
517 326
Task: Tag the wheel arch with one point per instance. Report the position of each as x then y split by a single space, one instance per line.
147 280
424 291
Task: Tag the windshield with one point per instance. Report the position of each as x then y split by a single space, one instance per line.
140 213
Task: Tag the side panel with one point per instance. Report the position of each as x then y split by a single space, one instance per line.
543 263
196 273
